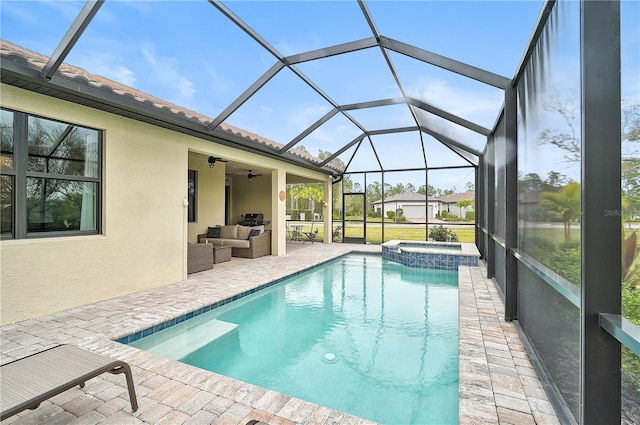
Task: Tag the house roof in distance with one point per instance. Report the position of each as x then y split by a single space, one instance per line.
406 197
456 197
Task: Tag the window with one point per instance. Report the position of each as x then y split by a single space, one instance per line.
193 195
51 177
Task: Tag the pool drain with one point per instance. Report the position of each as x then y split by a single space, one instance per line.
330 357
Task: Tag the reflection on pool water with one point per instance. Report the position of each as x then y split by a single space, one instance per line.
360 334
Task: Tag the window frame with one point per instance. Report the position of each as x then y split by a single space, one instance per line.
192 208
19 174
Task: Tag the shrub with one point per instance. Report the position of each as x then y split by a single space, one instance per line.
470 215
391 214
401 218
442 234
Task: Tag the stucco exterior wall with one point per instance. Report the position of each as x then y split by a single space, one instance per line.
210 196
145 230
251 197
141 247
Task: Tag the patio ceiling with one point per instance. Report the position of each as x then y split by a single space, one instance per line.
314 83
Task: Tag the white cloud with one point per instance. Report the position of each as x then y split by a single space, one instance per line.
108 66
481 107
164 71
287 47
307 115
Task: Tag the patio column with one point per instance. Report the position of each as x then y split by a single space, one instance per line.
327 211
601 210
278 212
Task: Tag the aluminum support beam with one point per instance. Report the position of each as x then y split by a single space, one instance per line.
443 62
309 130
326 52
392 130
375 153
450 141
511 204
342 150
490 184
600 377
537 32
69 40
479 206
257 85
449 117
454 150
385 54
373 104
281 59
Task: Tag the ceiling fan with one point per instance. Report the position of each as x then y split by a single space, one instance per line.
213 159
250 175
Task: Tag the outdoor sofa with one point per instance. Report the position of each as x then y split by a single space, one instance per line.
245 241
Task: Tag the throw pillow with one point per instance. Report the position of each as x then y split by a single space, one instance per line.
254 232
229 232
243 232
213 232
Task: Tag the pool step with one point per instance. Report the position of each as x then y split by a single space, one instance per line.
184 338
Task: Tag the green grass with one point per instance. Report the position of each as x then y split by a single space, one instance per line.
408 232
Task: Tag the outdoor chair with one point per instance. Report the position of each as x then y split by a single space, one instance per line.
199 257
310 236
27 382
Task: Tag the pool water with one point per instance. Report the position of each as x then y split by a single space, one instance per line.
363 335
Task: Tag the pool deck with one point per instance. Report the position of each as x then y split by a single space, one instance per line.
498 384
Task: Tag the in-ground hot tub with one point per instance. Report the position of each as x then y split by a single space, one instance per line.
431 255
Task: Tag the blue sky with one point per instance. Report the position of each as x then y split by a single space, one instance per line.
188 53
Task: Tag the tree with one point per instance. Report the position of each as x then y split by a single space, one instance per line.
313 193
463 205
470 187
430 191
567 140
567 203
631 188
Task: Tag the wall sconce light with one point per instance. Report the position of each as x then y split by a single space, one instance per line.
325 204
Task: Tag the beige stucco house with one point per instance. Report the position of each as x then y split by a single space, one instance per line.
135 152
414 206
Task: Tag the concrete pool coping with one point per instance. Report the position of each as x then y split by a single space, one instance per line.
497 382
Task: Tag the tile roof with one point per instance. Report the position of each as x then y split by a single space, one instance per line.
37 61
453 198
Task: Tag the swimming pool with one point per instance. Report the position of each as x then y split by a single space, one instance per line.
360 334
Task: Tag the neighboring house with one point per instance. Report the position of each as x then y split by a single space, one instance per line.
95 201
412 204
449 203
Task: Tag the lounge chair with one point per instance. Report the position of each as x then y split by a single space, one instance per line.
27 382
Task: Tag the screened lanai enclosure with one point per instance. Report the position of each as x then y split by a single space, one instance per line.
532 106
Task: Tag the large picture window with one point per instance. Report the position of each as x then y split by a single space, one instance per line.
51 177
